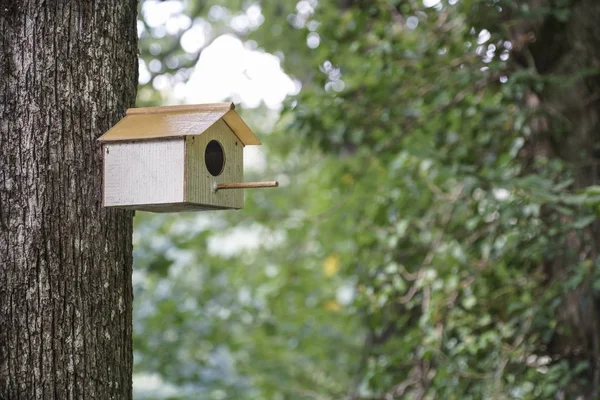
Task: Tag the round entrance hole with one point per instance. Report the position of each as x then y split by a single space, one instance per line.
214 157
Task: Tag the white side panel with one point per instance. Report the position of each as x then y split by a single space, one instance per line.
145 172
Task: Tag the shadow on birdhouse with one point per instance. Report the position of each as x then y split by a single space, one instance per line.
177 158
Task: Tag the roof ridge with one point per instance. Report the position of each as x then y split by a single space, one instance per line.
181 108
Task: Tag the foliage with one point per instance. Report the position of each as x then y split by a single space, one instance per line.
407 251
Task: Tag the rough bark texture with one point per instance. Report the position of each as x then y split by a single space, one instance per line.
68 71
571 131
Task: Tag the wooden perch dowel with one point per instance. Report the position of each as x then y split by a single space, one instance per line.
246 185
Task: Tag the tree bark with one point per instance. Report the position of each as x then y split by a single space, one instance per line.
68 71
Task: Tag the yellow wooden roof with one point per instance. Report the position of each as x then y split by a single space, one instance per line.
172 121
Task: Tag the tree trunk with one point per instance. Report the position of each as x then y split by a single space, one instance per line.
68 71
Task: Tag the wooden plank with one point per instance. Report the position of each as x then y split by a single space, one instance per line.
237 125
139 126
141 173
185 107
199 182
172 207
161 125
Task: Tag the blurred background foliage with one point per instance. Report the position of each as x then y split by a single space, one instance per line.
408 252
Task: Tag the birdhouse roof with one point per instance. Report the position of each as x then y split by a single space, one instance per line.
176 121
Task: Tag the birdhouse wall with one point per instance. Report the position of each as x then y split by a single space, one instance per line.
198 180
144 173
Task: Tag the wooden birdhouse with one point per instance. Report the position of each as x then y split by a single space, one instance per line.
177 158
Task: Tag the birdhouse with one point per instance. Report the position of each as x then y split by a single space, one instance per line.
177 158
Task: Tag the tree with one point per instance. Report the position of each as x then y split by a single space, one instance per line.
68 71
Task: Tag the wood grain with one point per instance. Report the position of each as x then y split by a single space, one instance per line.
161 125
140 173
241 130
178 122
199 182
